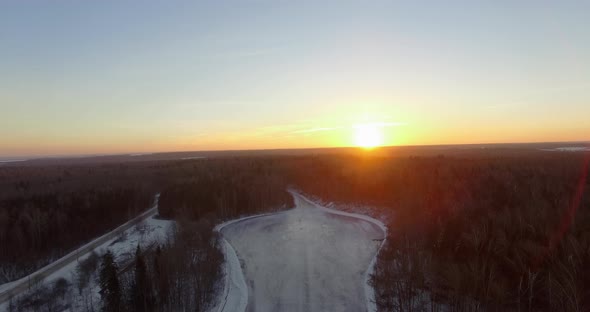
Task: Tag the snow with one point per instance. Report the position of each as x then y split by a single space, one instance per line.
123 247
6 286
140 154
309 258
568 149
369 291
193 157
7 161
235 295
235 292
145 233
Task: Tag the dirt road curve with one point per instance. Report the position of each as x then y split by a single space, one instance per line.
304 259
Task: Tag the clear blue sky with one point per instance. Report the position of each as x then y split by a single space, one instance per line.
133 76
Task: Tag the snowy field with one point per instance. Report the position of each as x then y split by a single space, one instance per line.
305 259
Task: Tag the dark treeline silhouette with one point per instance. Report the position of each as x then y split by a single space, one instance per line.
225 189
471 234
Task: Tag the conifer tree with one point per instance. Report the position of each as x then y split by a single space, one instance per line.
110 288
160 278
141 291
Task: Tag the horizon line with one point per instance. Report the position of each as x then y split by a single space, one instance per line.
139 154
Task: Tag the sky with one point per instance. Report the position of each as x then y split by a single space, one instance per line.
97 77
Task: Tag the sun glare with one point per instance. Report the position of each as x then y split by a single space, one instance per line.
368 136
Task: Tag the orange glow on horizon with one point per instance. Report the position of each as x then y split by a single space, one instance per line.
341 129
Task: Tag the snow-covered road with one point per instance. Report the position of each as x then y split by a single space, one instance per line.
305 259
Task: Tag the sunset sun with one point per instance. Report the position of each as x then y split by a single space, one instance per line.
368 136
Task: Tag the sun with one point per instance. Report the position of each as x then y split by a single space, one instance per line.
368 136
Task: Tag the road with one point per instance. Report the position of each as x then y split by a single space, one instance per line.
305 259
26 283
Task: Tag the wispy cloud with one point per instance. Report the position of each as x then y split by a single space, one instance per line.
390 124
381 124
316 129
378 124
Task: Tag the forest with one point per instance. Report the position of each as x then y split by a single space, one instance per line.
50 210
485 232
46 212
495 233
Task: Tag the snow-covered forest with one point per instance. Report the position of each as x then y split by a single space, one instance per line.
465 232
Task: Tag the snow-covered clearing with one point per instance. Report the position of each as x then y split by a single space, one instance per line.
193 157
568 149
309 258
7 161
140 154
